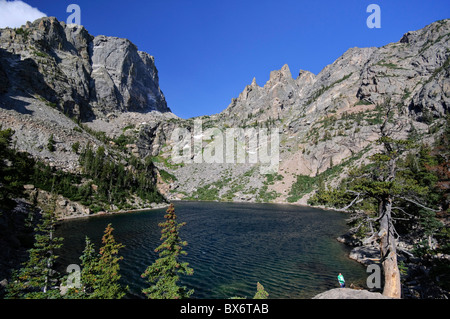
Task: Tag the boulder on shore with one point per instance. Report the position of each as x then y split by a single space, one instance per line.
347 293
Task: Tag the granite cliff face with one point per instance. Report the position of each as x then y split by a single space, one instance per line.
81 75
54 77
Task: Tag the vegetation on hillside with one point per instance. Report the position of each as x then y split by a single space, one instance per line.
104 182
37 276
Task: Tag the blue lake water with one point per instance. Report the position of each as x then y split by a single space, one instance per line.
291 250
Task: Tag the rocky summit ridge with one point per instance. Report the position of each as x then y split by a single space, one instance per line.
327 122
59 80
81 75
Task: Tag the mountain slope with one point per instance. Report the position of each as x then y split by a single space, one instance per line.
82 74
55 76
327 121
57 79
60 86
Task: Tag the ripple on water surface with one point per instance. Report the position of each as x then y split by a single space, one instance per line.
291 250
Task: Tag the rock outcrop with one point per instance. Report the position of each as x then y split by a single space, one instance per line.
124 78
58 80
79 74
347 293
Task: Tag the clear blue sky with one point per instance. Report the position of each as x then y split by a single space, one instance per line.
207 51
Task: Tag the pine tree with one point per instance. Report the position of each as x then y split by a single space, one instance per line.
163 275
100 271
89 260
106 270
17 171
37 276
51 144
379 193
260 292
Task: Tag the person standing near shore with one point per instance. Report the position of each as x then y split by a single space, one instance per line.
341 280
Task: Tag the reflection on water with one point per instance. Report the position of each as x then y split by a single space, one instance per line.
291 250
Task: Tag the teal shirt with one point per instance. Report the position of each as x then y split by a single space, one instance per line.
341 279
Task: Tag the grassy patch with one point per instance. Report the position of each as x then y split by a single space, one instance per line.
208 193
166 176
166 162
362 102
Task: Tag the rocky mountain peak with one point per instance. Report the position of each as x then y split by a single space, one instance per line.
330 120
254 83
59 82
283 74
324 121
304 81
430 33
85 76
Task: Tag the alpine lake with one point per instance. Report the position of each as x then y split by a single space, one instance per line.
291 250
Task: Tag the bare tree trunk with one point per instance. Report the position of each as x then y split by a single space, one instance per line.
49 266
388 248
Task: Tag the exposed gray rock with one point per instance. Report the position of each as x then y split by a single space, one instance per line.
324 119
53 74
366 255
124 78
347 293
82 75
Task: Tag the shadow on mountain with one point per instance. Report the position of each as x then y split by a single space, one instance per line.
21 78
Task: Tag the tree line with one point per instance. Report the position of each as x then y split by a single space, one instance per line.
104 181
117 181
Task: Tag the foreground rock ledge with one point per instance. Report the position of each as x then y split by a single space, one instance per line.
347 293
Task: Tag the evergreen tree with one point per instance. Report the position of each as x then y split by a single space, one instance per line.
103 274
100 271
89 260
5 141
115 181
51 144
15 169
260 292
37 276
163 275
76 147
379 193
6 173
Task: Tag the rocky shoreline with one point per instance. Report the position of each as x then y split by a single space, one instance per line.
66 209
418 282
348 293
17 235
104 213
